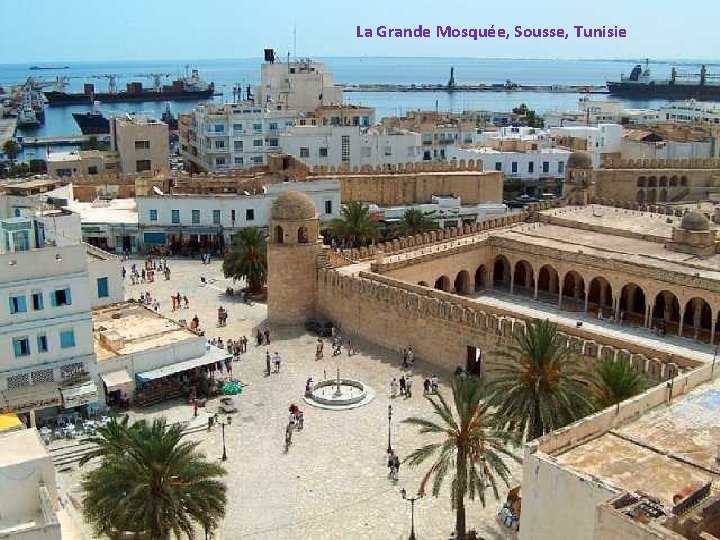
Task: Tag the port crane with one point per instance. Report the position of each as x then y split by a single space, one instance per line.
156 78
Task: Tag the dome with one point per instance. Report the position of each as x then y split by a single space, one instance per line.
579 160
695 221
294 206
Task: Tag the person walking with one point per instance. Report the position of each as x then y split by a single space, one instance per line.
393 464
187 302
259 337
402 385
393 387
319 349
267 363
408 386
277 360
266 333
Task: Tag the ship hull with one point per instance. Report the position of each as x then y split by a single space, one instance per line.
91 124
59 99
664 91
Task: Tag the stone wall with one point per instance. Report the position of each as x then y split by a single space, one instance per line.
706 163
442 325
88 188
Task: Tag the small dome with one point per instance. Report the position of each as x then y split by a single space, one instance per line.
294 206
695 221
579 160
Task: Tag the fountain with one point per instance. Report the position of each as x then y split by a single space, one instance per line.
348 393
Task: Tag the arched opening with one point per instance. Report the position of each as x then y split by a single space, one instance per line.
443 283
683 181
574 289
663 181
600 298
302 236
666 313
480 278
279 234
632 304
697 319
423 283
640 198
663 195
501 273
652 181
548 280
523 277
652 196
673 181
462 282
641 181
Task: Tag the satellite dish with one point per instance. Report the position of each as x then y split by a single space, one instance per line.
157 191
246 193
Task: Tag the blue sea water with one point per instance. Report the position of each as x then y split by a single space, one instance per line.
228 73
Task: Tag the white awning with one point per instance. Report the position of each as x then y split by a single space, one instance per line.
213 355
114 379
75 396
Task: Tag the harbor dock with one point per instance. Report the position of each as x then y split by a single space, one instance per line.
547 88
66 140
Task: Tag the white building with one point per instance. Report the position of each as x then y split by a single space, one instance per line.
351 146
46 294
445 211
691 112
301 85
109 225
233 136
596 140
135 346
208 221
594 112
31 508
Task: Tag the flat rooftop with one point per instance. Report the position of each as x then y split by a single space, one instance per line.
114 211
21 446
130 327
642 253
617 218
661 452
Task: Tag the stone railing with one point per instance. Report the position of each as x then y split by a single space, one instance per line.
441 235
690 163
401 168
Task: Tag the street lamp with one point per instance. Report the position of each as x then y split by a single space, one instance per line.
412 511
228 422
389 448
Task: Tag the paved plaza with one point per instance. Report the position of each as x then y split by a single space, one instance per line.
333 481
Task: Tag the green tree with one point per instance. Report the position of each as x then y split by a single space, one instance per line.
158 486
247 258
542 386
414 222
11 148
615 382
471 447
355 224
111 440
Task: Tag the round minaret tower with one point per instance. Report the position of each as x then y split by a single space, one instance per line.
294 243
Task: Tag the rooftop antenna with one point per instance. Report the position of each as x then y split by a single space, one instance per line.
295 41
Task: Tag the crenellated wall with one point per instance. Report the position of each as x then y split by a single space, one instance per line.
440 326
706 163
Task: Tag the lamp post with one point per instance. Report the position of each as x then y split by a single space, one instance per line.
228 422
412 511
389 448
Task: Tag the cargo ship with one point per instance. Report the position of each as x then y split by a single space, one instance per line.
185 88
641 85
96 123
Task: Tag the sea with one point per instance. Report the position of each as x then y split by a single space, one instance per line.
226 74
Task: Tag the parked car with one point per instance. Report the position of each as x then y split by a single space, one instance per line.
319 327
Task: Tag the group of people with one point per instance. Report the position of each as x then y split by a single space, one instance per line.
393 463
262 337
296 421
205 258
235 347
404 384
408 357
275 360
222 316
178 301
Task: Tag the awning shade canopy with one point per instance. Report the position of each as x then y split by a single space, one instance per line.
115 379
210 357
75 396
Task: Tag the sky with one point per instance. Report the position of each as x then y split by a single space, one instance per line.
78 30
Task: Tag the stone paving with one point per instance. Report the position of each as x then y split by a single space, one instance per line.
333 481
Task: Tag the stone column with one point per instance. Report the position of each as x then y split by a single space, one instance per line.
537 280
33 420
680 326
587 297
512 281
616 307
489 278
697 318
712 329
560 297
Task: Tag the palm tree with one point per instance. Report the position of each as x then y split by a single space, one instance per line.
158 486
414 222
247 258
11 148
615 382
471 447
543 386
354 224
111 440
